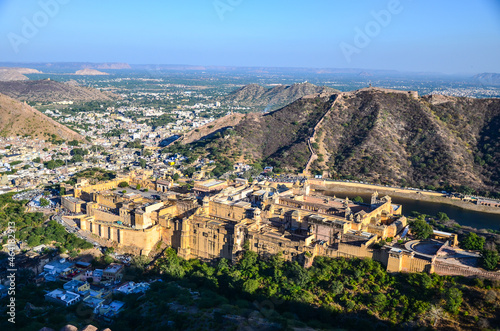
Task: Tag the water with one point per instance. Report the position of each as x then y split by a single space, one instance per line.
465 217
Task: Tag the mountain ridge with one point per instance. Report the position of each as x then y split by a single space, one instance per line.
266 99
52 91
379 135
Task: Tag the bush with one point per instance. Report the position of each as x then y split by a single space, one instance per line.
453 299
420 229
123 184
490 259
472 242
358 199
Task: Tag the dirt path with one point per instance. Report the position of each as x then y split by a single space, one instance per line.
312 139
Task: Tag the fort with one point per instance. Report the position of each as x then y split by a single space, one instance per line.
222 220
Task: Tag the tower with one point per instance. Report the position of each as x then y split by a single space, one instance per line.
374 200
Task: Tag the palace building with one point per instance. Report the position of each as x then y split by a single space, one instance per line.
221 220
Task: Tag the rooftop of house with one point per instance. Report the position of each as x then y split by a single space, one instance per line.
113 268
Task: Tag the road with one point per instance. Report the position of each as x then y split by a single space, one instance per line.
71 227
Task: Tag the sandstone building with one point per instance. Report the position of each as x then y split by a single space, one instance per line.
221 220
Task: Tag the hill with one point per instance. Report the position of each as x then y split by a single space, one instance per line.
208 130
18 118
51 91
258 97
487 78
90 72
14 74
378 135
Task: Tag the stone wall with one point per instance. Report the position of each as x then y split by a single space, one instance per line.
441 268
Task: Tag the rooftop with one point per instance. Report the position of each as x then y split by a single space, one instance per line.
113 268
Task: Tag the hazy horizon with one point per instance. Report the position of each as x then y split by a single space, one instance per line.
406 36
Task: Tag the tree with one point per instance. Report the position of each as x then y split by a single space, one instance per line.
138 187
358 199
44 202
77 158
490 259
79 151
189 172
435 314
73 143
123 184
443 217
420 229
379 301
453 299
176 177
472 242
142 163
251 285
134 144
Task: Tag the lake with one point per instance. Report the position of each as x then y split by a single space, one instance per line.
471 218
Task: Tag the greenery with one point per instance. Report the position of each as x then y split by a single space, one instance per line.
472 242
44 202
134 144
353 294
31 227
52 164
123 184
420 229
490 259
358 199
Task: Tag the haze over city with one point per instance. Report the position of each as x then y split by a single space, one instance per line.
429 36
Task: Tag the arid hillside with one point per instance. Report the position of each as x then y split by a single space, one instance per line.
17 118
385 136
13 74
268 99
51 91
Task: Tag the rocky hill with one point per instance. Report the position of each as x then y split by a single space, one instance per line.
268 99
488 78
51 91
90 72
13 74
386 136
17 118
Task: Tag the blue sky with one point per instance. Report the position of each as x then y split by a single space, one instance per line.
437 36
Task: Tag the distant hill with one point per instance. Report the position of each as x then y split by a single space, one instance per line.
51 91
67 66
268 99
13 74
17 118
387 136
487 78
90 72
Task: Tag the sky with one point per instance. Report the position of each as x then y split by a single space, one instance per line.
444 36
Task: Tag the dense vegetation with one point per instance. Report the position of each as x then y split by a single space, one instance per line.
33 229
94 174
273 293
